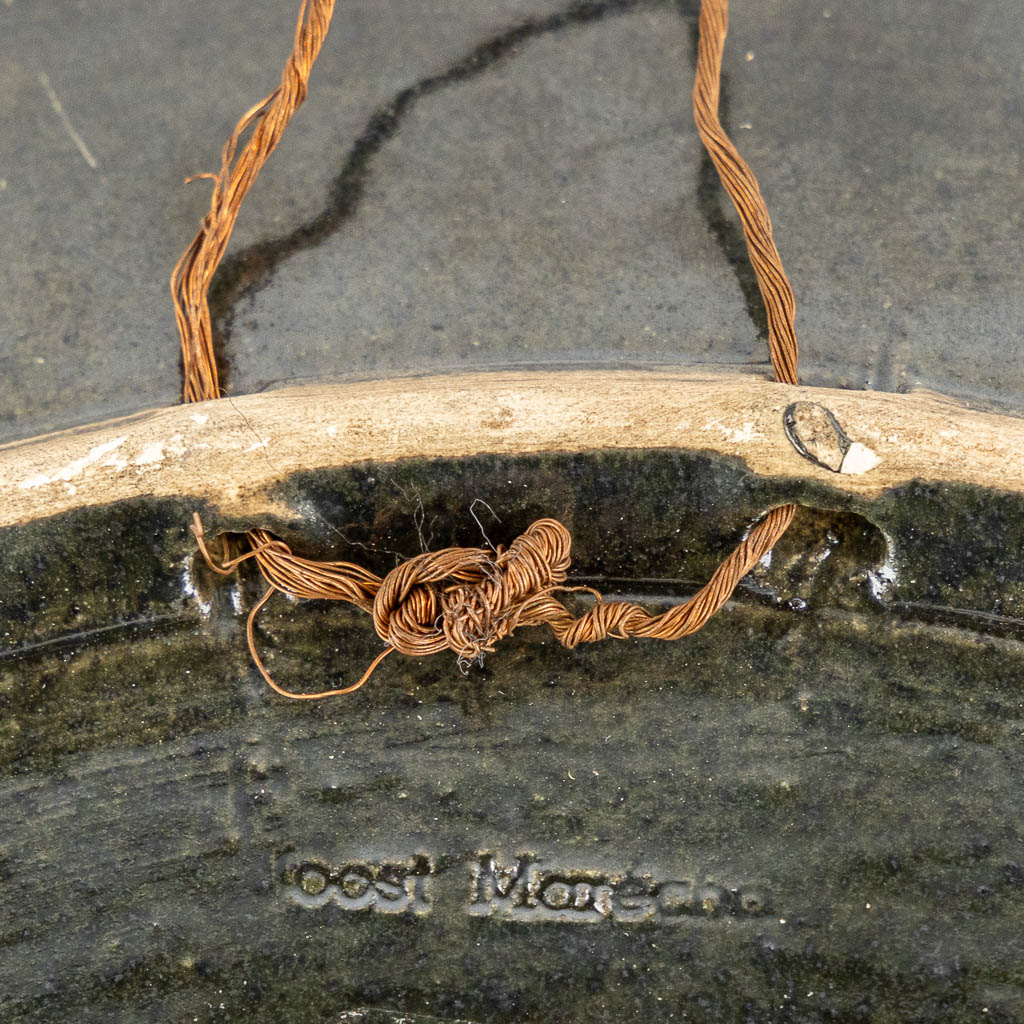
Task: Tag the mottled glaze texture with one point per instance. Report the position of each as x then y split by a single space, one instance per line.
806 812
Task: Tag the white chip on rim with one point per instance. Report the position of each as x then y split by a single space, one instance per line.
858 459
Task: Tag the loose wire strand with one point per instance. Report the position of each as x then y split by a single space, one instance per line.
191 277
249 630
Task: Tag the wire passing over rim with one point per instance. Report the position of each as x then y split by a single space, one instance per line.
466 599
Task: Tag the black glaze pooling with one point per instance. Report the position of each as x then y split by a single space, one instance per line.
829 782
99 568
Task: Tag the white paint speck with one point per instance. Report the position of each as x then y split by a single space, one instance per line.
880 580
176 445
153 452
188 586
742 435
78 466
735 435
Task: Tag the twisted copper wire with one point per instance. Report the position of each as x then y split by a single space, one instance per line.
739 182
191 277
467 599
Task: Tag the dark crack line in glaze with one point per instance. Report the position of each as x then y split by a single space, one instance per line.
252 269
972 620
69 640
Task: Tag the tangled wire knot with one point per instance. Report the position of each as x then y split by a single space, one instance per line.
467 599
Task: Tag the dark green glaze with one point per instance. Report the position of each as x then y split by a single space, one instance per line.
816 749
517 181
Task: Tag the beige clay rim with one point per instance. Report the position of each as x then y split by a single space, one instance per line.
229 452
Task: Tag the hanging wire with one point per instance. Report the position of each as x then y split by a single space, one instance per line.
467 599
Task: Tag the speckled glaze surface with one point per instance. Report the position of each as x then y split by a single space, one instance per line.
509 182
807 812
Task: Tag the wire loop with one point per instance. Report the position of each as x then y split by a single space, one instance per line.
467 599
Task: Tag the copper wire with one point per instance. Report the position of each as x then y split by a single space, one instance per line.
739 182
467 599
266 122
